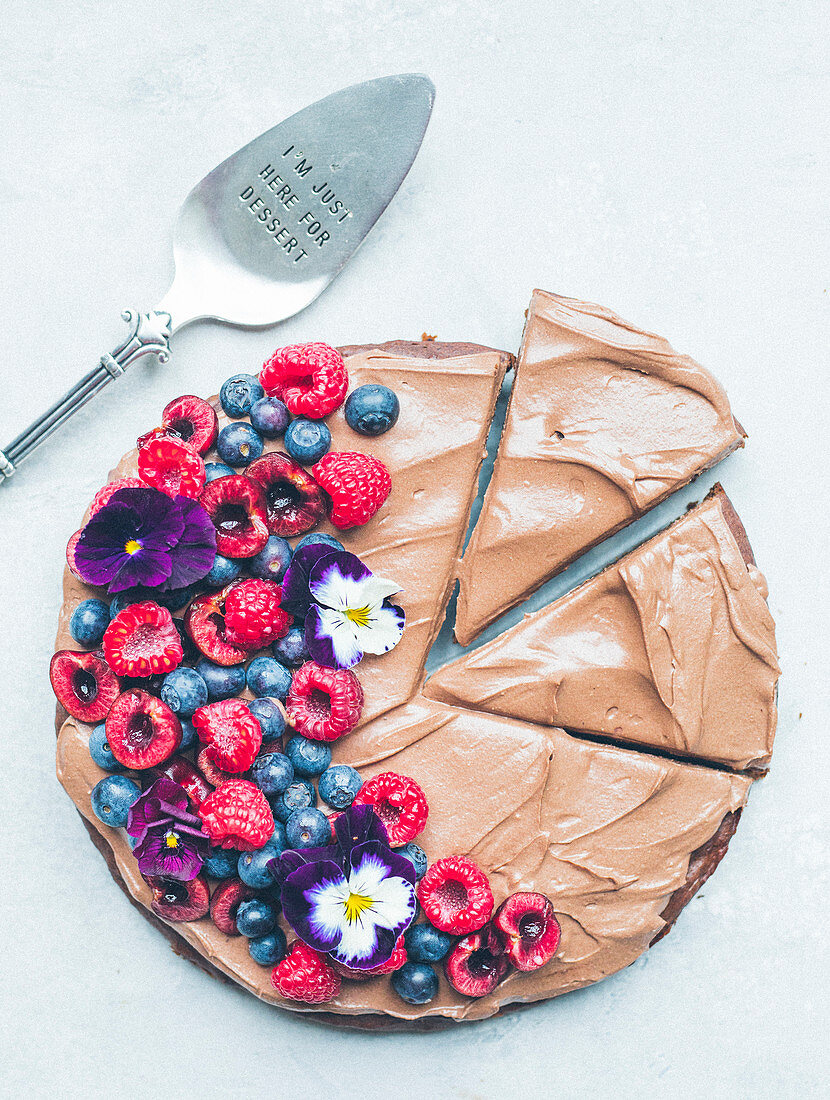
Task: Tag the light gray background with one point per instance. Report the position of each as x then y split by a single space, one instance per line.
669 160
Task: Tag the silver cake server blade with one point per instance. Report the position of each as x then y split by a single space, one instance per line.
267 230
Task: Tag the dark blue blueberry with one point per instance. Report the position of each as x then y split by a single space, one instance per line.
307 440
188 735
272 772
372 409
111 799
89 621
308 757
239 444
221 863
427 944
270 717
239 393
216 469
307 829
319 537
415 983
184 691
416 856
268 677
256 917
270 417
291 649
100 751
222 683
222 572
272 561
269 950
338 786
252 867
299 796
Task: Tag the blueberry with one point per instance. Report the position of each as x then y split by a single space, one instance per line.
256 917
221 863
372 409
184 691
319 537
222 572
414 983
291 649
89 621
416 856
426 944
270 417
307 829
268 950
239 393
268 677
222 683
272 772
239 444
272 561
308 757
299 796
252 867
216 469
338 786
111 799
307 440
100 751
188 735
270 717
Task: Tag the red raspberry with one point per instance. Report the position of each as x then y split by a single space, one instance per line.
171 465
324 703
305 975
237 815
311 379
103 495
232 734
142 641
393 963
357 484
456 896
400 804
253 616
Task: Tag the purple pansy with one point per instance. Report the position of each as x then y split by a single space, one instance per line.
144 537
352 899
170 839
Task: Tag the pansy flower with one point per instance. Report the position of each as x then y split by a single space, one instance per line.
144 537
170 839
352 899
346 607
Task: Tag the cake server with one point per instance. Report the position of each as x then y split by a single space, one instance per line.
267 230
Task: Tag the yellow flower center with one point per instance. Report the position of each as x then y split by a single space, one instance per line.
132 546
355 905
171 840
358 615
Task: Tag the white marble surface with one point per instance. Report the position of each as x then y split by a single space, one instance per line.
667 159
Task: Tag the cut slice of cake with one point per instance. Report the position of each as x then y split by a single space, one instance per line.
604 422
672 647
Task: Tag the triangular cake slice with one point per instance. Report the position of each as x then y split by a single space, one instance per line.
672 647
604 422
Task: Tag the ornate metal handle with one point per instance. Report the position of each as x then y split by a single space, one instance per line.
149 335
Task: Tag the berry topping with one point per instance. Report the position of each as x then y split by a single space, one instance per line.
237 507
256 917
324 703
237 815
270 417
84 684
267 677
476 964
89 621
141 730
400 804
70 554
174 467
204 622
311 379
111 799
253 616
308 828
272 561
530 929
184 691
456 895
103 495
427 944
372 409
180 901
193 420
415 983
306 975
307 440
338 786
239 393
230 732
212 773
294 501
357 485
239 444
181 771
224 903
142 641
395 961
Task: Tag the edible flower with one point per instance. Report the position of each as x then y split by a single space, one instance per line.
170 839
144 537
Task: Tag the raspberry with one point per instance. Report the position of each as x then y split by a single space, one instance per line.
253 616
237 815
142 641
324 703
311 379
400 804
171 465
395 961
103 495
357 484
305 975
456 896
232 734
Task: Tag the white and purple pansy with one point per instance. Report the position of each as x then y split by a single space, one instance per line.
347 608
353 899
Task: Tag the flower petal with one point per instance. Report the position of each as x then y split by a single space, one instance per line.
331 638
376 588
359 946
312 903
358 825
296 598
382 630
195 552
337 581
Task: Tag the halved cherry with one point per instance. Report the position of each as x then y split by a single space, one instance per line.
84 683
179 901
181 771
530 928
142 731
237 507
193 420
477 964
295 502
204 621
224 903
